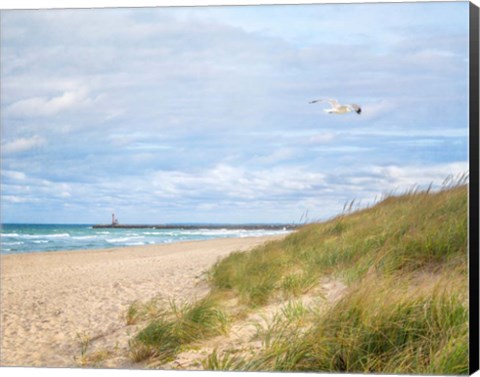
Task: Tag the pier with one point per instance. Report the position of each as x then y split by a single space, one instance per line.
201 226
116 225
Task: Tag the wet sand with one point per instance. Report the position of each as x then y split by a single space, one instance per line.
51 301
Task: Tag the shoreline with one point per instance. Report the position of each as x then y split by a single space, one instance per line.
50 299
39 238
117 248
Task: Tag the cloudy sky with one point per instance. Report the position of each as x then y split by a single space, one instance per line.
201 114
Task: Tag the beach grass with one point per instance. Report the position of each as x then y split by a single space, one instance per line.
403 234
170 330
405 308
376 327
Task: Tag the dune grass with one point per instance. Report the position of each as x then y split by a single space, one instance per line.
171 329
404 261
377 327
406 310
401 234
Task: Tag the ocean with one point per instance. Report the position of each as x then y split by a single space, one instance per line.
28 238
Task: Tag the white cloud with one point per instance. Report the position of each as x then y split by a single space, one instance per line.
43 106
22 145
405 177
14 199
15 175
224 182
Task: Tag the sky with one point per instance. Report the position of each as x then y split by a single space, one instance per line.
202 114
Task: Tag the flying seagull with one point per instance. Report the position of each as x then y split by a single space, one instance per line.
337 108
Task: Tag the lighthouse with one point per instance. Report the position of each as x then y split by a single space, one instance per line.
114 220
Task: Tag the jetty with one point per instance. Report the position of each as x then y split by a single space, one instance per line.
201 226
115 224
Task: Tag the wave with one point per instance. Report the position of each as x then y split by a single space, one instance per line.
213 232
231 232
48 236
79 238
123 239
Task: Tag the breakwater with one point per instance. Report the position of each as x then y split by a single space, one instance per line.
201 226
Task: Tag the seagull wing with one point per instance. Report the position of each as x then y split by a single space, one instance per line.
332 102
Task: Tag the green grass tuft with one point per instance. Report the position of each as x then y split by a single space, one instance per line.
164 337
382 328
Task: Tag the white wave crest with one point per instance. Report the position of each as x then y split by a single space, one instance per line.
84 237
122 239
47 236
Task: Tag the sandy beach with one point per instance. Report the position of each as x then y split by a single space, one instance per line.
51 301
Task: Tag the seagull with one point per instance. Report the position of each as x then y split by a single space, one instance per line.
337 108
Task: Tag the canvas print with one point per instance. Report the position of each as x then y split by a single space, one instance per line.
236 188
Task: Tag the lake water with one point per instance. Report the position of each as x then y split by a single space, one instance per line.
27 238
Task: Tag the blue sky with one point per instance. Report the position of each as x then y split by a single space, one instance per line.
202 115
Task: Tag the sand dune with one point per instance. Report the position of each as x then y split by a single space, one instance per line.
50 301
